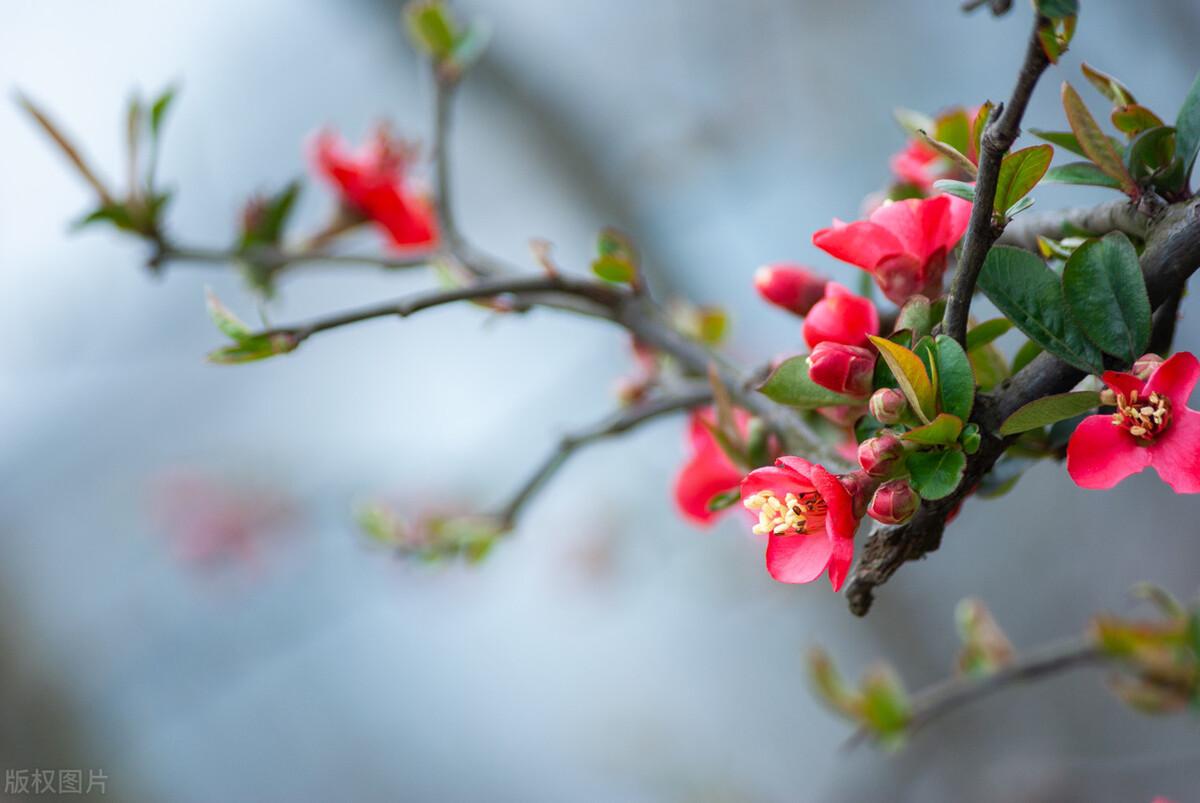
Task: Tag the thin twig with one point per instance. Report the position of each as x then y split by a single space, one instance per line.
982 230
1119 215
615 424
280 258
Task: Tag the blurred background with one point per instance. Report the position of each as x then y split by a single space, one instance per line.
608 651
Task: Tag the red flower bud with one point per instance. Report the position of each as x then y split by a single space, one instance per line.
1146 365
841 368
790 287
894 502
860 486
841 317
888 405
882 455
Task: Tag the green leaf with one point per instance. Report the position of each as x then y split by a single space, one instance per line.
1187 128
1048 410
942 431
255 347
430 26
229 324
1025 355
1081 173
724 499
953 128
614 269
1106 293
1094 141
989 366
935 474
158 110
1019 207
1057 8
789 384
979 124
1031 296
618 260
1020 171
1110 87
956 380
1134 119
986 332
949 151
1063 139
959 189
1151 151
910 373
916 315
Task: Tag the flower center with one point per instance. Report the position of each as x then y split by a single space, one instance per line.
789 516
1143 418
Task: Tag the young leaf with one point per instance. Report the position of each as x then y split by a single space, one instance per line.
935 474
1134 119
1055 9
960 189
789 384
1151 151
1187 128
229 324
949 151
956 380
1031 296
255 347
1110 87
1106 293
614 269
981 120
1062 139
724 499
1019 207
1049 410
431 27
942 431
954 129
1093 141
1020 171
986 332
910 374
1081 173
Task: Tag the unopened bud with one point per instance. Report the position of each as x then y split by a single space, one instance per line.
888 405
882 455
1145 365
894 502
860 486
790 287
849 370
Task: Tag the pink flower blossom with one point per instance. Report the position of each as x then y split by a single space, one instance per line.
902 244
843 369
808 517
915 165
1152 427
373 183
708 471
841 317
790 287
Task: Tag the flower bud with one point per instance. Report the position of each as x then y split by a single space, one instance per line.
841 317
790 287
894 502
842 369
860 486
882 455
888 405
1146 365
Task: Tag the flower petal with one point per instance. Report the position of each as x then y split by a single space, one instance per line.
799 466
906 221
798 558
840 521
1099 455
861 243
1122 383
1175 378
707 474
771 478
1176 456
839 562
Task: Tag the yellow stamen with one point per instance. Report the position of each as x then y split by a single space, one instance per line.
787 517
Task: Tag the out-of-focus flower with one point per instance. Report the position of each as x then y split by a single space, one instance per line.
373 183
842 369
903 244
790 287
888 405
808 517
917 165
1152 427
894 502
840 317
708 471
634 387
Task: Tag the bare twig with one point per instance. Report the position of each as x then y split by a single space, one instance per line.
280 258
1118 215
616 424
983 230
67 147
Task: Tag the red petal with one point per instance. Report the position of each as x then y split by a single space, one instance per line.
1176 456
1175 378
904 219
1122 383
863 244
799 465
798 558
770 478
840 521
1099 455
707 474
839 562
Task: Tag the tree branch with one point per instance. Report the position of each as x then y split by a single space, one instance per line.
616 424
982 230
1118 215
278 258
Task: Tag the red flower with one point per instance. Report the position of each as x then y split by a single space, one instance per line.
808 516
790 287
903 244
841 317
372 183
1152 427
849 370
915 165
709 471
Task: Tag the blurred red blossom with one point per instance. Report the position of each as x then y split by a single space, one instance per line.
790 287
708 471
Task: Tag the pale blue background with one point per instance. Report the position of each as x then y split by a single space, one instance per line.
721 135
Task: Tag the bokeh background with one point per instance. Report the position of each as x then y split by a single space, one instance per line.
608 651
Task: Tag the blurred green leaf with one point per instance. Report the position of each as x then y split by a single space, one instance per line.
986 332
959 189
1081 173
1109 86
1187 128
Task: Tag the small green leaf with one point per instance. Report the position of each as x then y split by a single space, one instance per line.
1081 173
1019 207
724 499
916 315
1187 128
158 110
1106 293
1025 355
956 380
910 373
979 124
942 431
1020 171
935 474
789 384
886 709
1031 296
1134 119
1063 139
949 151
614 269
1056 9
1110 87
953 128
1094 141
1048 410
959 189
431 27
255 347
989 366
229 324
618 260
986 332
1151 151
